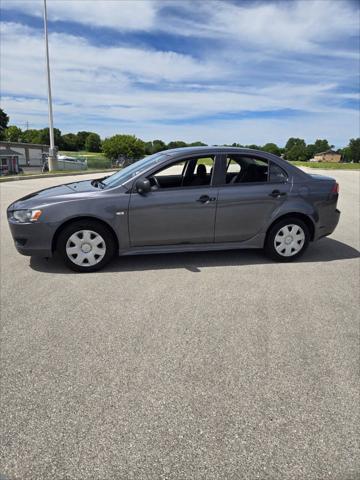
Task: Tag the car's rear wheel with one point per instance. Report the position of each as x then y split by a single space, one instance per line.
86 246
287 239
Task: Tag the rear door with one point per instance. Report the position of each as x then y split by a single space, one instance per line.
251 190
181 207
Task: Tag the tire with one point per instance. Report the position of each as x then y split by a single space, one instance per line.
287 239
86 245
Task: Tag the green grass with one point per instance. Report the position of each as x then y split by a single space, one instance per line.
207 161
328 165
98 162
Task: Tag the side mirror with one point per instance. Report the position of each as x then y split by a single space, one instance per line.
143 186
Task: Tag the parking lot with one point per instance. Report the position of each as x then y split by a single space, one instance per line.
219 365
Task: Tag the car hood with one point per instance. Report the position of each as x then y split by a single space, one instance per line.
49 195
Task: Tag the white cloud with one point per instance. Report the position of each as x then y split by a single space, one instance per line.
144 91
295 25
299 26
74 56
337 128
120 15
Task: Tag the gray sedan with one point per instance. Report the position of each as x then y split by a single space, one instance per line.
187 199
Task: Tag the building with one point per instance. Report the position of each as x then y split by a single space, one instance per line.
30 154
328 156
9 161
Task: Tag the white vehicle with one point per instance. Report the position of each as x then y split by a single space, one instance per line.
65 162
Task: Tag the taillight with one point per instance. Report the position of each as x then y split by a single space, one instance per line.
335 188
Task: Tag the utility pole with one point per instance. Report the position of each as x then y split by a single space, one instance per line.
52 152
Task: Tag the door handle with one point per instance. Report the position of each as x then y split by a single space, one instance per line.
206 199
203 199
277 193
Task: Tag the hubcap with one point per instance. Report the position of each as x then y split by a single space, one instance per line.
289 240
85 248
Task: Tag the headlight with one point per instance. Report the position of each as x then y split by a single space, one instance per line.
24 216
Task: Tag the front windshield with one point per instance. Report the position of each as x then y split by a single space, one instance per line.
119 178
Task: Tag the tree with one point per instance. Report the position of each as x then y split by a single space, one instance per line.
69 142
44 137
345 154
294 141
176 144
4 120
13 133
295 150
129 146
148 146
322 146
253 147
93 143
154 147
81 139
30 136
297 153
310 151
354 150
197 144
271 148
158 146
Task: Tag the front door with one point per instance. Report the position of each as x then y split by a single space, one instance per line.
252 189
180 209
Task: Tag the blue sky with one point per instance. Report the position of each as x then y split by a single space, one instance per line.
216 71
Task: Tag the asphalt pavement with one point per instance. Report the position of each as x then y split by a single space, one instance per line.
219 365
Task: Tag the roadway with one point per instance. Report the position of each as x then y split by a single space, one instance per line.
194 366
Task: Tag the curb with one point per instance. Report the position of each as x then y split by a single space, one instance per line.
50 175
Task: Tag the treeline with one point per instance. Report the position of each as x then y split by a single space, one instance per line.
75 142
131 147
295 149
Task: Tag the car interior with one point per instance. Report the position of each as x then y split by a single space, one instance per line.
186 173
198 171
241 169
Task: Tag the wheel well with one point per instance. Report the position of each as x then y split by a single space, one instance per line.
301 216
72 220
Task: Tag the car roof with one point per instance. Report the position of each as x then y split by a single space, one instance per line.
214 149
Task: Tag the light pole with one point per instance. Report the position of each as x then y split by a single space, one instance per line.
52 151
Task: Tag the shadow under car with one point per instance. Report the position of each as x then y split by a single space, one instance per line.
325 250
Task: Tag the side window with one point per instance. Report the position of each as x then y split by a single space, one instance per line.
242 169
184 173
175 169
200 173
233 169
277 174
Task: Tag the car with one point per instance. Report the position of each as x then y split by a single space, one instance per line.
180 200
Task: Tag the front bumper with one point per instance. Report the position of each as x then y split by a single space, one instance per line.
32 239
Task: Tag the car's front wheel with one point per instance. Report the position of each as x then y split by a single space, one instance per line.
287 239
86 246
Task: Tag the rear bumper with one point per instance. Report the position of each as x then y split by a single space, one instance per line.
327 225
32 239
